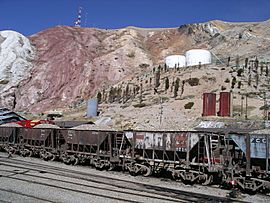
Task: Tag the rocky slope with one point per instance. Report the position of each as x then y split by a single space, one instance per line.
16 54
72 64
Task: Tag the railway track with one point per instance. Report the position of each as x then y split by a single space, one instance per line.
25 195
133 189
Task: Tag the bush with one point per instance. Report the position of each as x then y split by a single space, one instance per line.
239 72
223 88
189 105
227 80
144 65
131 54
193 81
140 105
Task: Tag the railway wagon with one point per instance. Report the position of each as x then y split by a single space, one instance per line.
250 160
203 156
101 148
9 137
245 159
191 156
27 141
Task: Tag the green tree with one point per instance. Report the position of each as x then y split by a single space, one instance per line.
239 84
99 97
233 82
157 78
176 87
237 61
111 95
249 79
165 67
167 83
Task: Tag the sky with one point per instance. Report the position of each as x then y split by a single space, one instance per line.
31 16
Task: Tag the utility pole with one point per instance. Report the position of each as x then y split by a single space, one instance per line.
242 101
161 111
265 106
246 106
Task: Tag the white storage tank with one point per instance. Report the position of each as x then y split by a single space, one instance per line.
92 106
196 56
175 60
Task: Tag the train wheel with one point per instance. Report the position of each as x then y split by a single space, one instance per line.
26 153
136 169
74 160
208 180
67 160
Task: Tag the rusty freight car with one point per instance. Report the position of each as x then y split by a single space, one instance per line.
189 155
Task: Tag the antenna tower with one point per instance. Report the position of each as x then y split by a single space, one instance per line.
78 21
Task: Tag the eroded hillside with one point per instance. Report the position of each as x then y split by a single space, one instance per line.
72 64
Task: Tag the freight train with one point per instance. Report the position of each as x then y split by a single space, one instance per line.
202 156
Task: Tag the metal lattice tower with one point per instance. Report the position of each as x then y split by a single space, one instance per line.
78 21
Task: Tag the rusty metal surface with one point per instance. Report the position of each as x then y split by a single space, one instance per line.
209 104
7 134
169 141
84 137
35 134
258 144
225 104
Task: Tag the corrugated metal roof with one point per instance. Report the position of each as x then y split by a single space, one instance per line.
7 116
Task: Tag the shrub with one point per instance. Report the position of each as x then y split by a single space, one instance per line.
131 54
193 81
140 105
189 105
239 72
223 88
227 80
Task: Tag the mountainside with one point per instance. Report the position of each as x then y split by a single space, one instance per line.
71 64
16 55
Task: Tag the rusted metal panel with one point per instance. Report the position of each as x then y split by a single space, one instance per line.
180 141
151 140
5 132
258 144
169 141
84 137
8 134
35 134
225 104
209 104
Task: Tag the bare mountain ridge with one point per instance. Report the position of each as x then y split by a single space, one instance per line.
71 64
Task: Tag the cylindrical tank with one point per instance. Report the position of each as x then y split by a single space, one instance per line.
209 104
92 106
225 104
197 56
175 61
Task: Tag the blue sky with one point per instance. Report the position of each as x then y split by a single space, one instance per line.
31 16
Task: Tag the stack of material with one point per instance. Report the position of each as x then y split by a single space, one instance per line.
94 127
